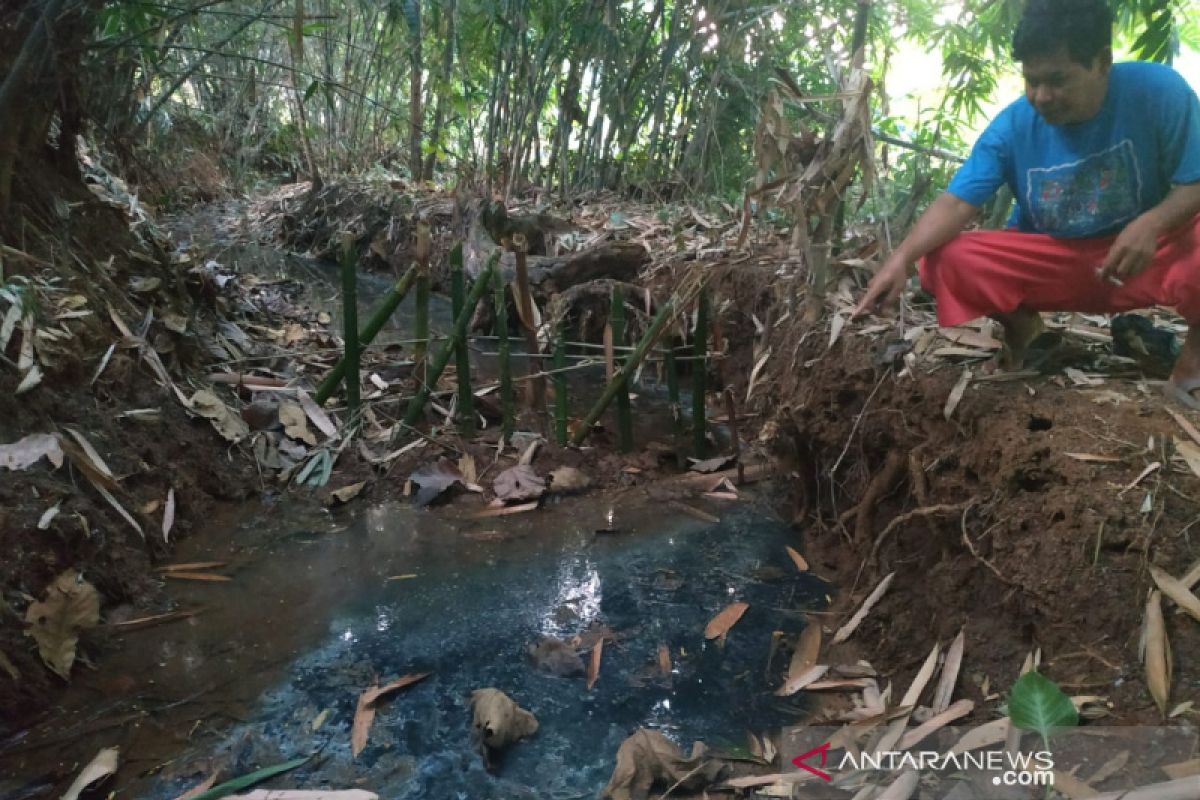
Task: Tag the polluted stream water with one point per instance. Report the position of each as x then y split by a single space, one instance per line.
315 614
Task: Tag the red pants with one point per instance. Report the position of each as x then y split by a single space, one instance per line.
988 272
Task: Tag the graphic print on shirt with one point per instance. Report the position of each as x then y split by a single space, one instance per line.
1093 195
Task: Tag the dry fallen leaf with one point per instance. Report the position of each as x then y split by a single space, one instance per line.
647 758
808 649
594 665
308 794
1157 654
346 493
664 659
71 604
316 415
844 632
26 452
945 688
956 394
519 483
102 766
295 423
711 464
230 425
569 479
168 521
1176 591
801 564
210 577
433 479
940 720
726 619
364 713
796 682
498 723
986 735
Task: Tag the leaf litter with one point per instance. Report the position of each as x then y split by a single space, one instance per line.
368 701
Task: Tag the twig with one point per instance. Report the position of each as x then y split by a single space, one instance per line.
924 511
857 421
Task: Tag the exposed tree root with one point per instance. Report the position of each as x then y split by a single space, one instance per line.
923 511
880 485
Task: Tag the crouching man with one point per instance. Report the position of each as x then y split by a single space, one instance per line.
1104 162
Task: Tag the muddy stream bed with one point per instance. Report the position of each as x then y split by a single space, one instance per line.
321 604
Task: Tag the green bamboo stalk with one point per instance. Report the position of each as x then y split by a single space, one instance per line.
624 413
368 333
457 336
421 323
672 368
560 388
466 399
630 366
350 323
699 376
504 355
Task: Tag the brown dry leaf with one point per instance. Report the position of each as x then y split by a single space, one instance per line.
1071 787
1110 767
192 566
364 713
466 465
230 425
692 511
316 415
1182 769
795 683
593 673
26 452
70 605
726 619
1192 577
1157 654
199 788
504 511
970 337
956 394
1176 591
808 649
801 564
648 758
433 479
498 722
1187 427
569 479
903 787
945 688
1092 458
295 423
210 577
346 494
1152 467
168 521
664 659
710 464
104 765
940 720
1190 454
844 632
986 735
518 483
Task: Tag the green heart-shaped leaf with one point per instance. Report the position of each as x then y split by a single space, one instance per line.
1037 704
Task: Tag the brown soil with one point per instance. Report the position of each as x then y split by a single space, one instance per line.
1061 551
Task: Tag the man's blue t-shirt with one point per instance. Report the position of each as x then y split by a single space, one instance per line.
1093 177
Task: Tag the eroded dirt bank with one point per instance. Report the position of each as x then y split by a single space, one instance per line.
1017 520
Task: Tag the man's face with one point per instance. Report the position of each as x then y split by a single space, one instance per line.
1063 91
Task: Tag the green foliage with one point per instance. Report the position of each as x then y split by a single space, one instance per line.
246 781
1037 704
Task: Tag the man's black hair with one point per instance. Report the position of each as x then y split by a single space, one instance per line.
1083 27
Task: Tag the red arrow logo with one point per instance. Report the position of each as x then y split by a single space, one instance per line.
823 750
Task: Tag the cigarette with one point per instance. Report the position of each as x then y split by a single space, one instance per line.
1115 281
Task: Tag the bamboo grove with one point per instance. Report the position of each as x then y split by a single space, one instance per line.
660 96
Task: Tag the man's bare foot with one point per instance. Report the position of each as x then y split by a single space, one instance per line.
1020 328
1185 377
